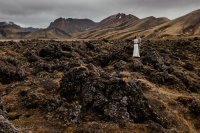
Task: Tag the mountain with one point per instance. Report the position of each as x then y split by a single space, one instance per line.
49 33
72 25
31 29
150 27
187 25
119 25
11 30
5 24
117 20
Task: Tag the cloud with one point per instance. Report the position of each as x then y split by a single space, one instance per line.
40 13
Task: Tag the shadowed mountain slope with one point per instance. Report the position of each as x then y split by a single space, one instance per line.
72 25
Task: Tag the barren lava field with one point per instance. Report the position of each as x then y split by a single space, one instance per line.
98 87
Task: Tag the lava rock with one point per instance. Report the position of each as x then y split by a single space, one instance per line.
11 71
34 100
73 82
114 99
89 45
189 66
31 57
137 66
53 52
7 127
153 58
194 107
2 108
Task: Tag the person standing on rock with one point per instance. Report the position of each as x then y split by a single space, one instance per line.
136 47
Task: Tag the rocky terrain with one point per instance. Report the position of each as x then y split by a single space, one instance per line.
97 86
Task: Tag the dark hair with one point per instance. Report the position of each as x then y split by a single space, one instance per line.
135 37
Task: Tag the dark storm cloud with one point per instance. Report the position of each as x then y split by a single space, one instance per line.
42 12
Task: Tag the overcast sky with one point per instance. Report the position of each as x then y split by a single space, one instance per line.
39 13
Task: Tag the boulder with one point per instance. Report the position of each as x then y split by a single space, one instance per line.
11 71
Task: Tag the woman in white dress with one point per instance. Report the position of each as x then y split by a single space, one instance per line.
136 52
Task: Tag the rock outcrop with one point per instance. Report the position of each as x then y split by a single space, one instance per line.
7 127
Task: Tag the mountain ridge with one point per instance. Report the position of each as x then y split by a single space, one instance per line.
71 25
117 26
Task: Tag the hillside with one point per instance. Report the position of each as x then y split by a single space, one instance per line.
187 25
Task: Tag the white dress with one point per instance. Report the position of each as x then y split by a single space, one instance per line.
136 52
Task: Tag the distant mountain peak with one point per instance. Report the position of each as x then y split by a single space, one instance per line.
151 17
71 25
7 23
117 19
122 16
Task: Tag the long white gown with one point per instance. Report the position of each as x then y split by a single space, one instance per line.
136 52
